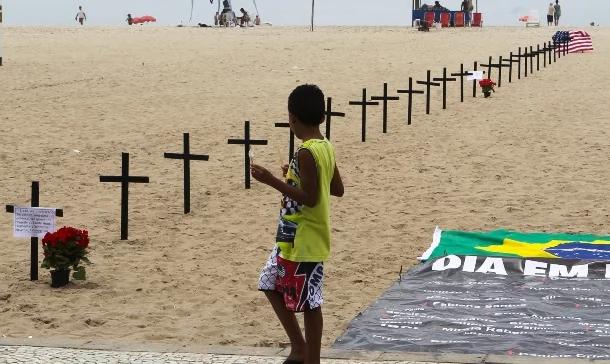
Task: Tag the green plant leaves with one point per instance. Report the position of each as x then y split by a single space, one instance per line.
79 273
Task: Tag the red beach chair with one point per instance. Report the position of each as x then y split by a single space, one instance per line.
458 19
445 19
477 20
429 18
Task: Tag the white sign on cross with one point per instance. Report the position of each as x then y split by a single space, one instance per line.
33 221
476 75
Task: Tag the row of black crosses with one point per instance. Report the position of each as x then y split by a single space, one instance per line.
550 53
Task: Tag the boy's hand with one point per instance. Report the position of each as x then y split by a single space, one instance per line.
284 169
261 174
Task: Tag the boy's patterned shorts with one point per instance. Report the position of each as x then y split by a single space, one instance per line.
299 282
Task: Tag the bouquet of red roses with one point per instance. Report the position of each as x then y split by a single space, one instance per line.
65 249
487 85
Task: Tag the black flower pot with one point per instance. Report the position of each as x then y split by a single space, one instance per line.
60 278
487 93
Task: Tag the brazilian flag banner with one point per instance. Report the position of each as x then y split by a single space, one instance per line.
505 243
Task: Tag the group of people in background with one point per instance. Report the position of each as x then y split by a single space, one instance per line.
227 17
554 13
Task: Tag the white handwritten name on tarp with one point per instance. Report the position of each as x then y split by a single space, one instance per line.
496 265
33 221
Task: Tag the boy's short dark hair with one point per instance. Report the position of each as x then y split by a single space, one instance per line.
306 102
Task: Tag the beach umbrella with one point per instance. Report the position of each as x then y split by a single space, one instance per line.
144 19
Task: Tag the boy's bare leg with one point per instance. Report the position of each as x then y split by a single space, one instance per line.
290 324
313 335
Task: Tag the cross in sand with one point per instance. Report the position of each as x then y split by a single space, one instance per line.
525 57
385 98
488 65
444 80
34 239
462 73
544 50
290 140
499 66
125 179
532 54
474 82
187 157
428 83
410 91
329 114
511 59
364 104
247 142
549 48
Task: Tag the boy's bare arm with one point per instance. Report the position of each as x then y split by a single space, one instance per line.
308 194
336 184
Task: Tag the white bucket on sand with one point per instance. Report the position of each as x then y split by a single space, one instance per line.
437 25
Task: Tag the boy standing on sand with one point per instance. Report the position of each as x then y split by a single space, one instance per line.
80 16
292 277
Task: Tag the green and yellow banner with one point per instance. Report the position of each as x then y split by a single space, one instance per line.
504 243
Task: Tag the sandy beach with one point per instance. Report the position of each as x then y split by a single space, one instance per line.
533 157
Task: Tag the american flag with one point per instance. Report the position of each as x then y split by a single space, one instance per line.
578 40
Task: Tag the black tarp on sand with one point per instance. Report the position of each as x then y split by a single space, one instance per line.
514 308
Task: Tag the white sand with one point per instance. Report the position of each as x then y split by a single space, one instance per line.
534 157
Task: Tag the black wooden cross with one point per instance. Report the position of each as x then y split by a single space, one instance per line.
499 66
511 59
474 82
187 157
444 81
488 65
544 50
385 98
364 103
410 91
428 83
537 57
34 239
526 56
462 73
125 179
246 141
555 52
329 114
519 56
290 141
532 55
550 49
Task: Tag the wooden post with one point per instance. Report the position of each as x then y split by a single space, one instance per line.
313 6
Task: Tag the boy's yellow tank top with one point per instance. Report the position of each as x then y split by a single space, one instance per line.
303 233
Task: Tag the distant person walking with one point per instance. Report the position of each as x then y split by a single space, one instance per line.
550 15
466 7
557 12
80 16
